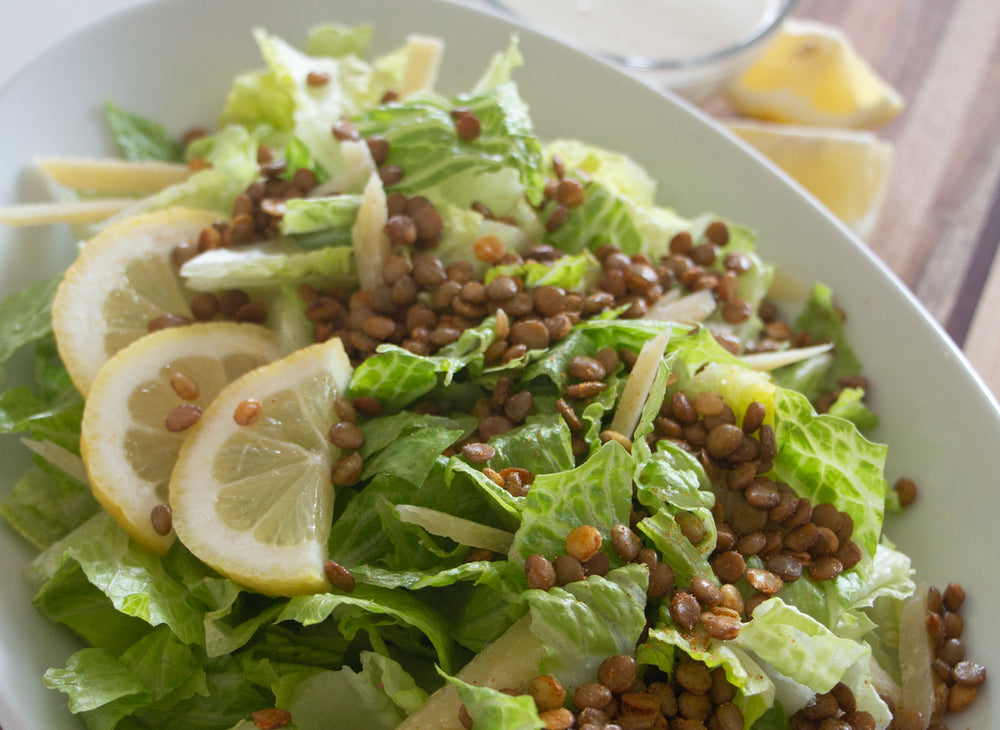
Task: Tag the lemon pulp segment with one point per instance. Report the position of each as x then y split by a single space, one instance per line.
127 447
255 501
121 280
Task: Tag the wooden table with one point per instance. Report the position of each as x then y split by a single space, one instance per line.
940 227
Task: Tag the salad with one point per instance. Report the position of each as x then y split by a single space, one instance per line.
380 402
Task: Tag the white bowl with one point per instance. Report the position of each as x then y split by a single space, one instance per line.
174 61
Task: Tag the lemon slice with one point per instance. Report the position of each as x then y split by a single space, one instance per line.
847 170
255 501
122 279
127 447
810 73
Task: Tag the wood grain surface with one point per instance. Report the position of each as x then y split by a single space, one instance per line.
940 227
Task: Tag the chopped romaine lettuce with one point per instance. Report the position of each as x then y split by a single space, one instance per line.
268 265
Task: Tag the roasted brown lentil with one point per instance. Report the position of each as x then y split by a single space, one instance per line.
583 542
540 572
684 609
161 518
271 718
247 411
467 125
478 453
182 417
346 435
339 576
347 469
568 570
906 490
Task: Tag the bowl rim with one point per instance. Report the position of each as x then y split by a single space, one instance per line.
824 223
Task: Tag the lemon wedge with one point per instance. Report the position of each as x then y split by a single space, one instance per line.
130 439
810 73
847 170
255 501
121 280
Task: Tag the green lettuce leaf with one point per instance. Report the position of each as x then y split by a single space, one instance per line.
674 477
93 678
380 695
280 96
850 406
407 445
397 377
137 581
25 316
268 265
826 459
507 506
603 219
620 174
808 659
843 604
519 446
501 68
21 411
140 139
157 671
422 140
335 40
491 709
70 599
687 559
335 214
568 272
664 644
229 697
45 505
583 623
596 493
399 606
232 157
825 323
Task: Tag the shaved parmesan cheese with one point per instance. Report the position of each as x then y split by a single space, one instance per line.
780 358
113 176
640 380
358 167
74 211
423 59
690 309
371 245
787 287
462 531
915 657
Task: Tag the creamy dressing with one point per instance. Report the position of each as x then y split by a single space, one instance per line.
644 32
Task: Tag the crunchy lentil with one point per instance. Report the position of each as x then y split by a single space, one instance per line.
182 417
161 518
339 576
